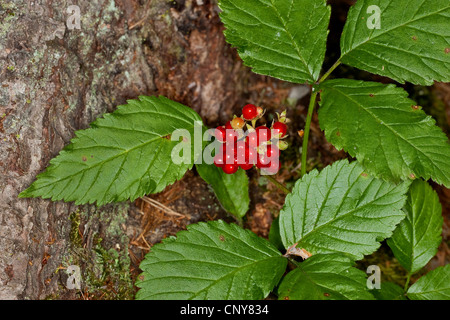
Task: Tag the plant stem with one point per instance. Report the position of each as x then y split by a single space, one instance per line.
239 221
277 184
407 282
295 263
312 103
335 65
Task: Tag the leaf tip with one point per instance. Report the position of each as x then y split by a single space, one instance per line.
24 194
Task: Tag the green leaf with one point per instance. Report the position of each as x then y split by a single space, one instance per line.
384 130
341 209
285 39
388 291
412 43
213 260
125 155
417 238
435 285
325 277
230 189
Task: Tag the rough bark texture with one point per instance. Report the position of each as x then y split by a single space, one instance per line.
54 81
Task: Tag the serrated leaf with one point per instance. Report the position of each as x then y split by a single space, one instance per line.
325 277
411 44
285 39
417 238
435 285
391 136
231 189
125 155
388 291
341 209
213 261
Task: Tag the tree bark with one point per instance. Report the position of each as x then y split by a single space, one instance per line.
55 80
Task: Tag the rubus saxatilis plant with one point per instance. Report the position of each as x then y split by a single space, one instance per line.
330 218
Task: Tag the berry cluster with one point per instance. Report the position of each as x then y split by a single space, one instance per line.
258 146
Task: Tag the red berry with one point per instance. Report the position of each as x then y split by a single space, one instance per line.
229 153
270 170
225 156
263 133
250 112
231 136
252 139
272 152
262 162
260 135
269 158
246 166
229 159
218 161
219 158
220 133
241 152
228 125
279 129
269 164
230 168
245 156
237 123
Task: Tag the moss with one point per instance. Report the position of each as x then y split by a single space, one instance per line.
75 237
7 16
110 278
105 264
54 296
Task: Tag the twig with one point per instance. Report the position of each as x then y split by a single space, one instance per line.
143 239
161 207
277 184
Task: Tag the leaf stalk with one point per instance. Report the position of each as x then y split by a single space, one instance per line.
312 104
278 184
